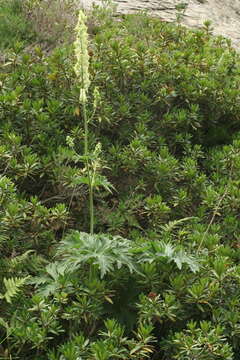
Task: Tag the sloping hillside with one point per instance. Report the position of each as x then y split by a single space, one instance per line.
225 15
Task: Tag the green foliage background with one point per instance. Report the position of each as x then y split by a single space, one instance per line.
160 278
13 24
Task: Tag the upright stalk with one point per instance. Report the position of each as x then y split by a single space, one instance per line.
81 70
91 207
89 175
85 130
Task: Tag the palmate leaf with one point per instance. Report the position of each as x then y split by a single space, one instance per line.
104 251
56 269
48 289
96 182
55 278
157 250
101 180
13 286
181 258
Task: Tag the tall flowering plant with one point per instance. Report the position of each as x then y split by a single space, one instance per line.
92 160
81 69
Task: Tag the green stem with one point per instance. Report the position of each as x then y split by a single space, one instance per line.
91 207
85 129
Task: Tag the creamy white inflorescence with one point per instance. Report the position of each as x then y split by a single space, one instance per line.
82 57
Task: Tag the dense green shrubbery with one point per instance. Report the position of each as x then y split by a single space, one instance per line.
160 278
13 24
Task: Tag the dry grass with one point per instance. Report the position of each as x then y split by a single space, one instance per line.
52 20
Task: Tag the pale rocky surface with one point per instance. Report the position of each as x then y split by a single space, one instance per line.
224 14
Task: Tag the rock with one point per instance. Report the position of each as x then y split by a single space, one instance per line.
224 14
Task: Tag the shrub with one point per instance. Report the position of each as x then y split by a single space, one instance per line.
205 342
13 24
